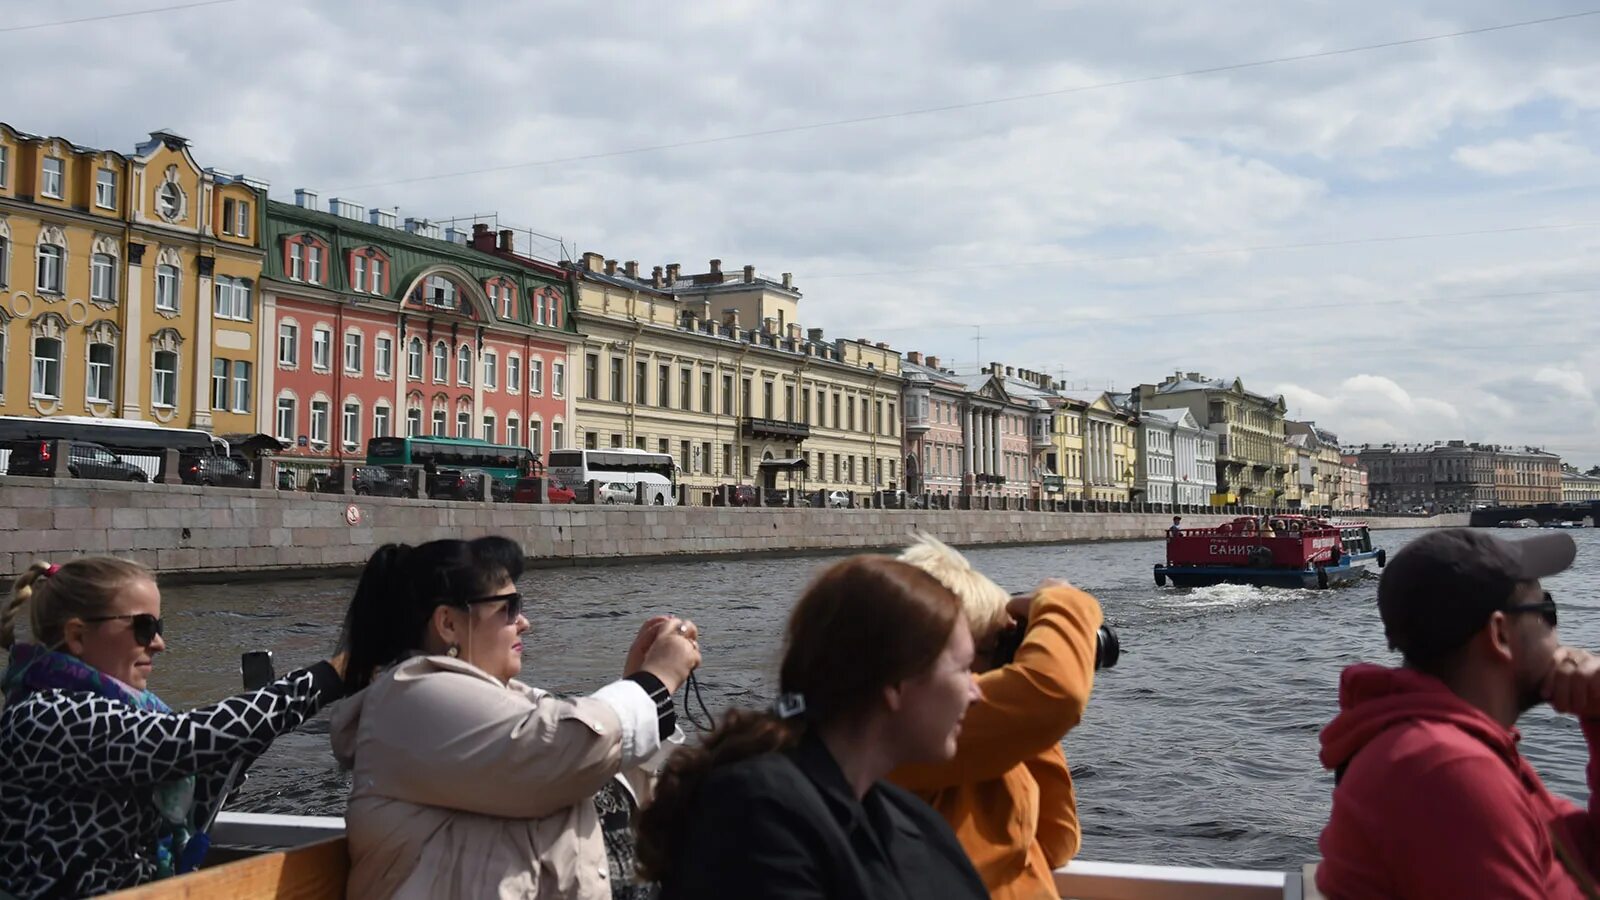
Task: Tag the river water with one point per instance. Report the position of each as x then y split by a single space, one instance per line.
1200 748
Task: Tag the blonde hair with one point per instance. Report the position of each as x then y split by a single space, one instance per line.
82 588
982 601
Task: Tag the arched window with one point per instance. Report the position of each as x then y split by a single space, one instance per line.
167 288
102 359
414 359
513 430
491 370
164 386
47 368
52 261
464 365
441 363
102 278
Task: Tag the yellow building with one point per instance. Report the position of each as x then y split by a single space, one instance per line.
1106 443
113 270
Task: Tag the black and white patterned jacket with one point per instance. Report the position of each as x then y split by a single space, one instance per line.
77 773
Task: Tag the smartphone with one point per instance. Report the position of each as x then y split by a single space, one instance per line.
256 667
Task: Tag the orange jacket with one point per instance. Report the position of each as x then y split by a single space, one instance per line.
1007 792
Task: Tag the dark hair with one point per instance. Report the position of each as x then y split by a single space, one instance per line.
402 585
865 623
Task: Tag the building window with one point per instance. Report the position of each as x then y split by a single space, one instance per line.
513 374
591 377
167 288
233 299
441 363
536 437
705 392
439 291
383 356
376 285
241 386
744 397
536 376
350 427
314 270
285 419
438 423
359 282
100 363
288 344
297 262
352 353
414 359
52 259
47 368
558 379
164 388
488 428
727 461
5 259
491 371
663 386
51 187
685 389
321 349
380 421
413 422
219 384
514 431
616 379
641 383
464 365
727 397
5 165
319 422
102 278
105 189
556 442
235 217
463 424
767 409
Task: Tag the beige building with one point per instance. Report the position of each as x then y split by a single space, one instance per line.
1251 464
716 370
1577 487
1317 473
1352 483
1109 445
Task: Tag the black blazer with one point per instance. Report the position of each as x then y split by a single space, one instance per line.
787 826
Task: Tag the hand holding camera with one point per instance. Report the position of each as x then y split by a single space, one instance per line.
671 650
1107 646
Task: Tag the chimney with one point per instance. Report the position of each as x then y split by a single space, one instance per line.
814 334
716 267
655 277
933 363
1193 376
507 240
995 368
611 267
914 357
788 281
592 262
631 267
305 199
749 274
482 239
345 209
384 218
881 345
1010 373
672 273
730 317
769 325
794 332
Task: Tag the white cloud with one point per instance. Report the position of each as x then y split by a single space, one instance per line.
1514 156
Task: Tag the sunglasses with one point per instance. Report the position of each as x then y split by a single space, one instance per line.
513 602
145 626
1546 608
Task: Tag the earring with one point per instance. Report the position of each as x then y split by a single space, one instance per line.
454 651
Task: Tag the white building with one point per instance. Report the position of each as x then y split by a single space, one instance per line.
1177 458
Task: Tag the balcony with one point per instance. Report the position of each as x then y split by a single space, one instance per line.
916 424
775 429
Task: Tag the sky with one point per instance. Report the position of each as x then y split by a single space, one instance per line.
1401 241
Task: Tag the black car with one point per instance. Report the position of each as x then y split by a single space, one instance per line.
85 460
375 481
466 484
215 471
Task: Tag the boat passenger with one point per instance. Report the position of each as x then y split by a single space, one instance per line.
791 803
101 784
1432 797
1177 528
466 782
1007 792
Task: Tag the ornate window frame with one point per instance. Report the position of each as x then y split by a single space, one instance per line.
102 331
51 235
167 340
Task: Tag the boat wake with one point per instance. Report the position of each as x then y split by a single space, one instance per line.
1228 596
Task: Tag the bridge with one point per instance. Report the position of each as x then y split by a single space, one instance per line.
1543 513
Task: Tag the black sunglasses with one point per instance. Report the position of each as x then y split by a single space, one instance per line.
145 626
513 602
1546 608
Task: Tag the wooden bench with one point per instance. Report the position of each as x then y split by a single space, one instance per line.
314 872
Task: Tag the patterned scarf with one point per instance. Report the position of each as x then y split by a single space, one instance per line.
34 668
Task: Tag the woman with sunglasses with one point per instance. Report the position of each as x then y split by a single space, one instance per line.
466 782
101 784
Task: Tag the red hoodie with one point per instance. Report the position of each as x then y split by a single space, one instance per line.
1438 803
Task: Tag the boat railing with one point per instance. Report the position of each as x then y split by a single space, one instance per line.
1079 879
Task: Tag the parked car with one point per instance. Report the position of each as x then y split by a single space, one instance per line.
553 493
743 495
837 500
466 484
85 460
616 492
215 471
375 481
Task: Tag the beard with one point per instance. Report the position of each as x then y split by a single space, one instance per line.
1530 693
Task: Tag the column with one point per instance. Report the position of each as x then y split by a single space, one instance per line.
134 346
266 386
204 309
967 438
994 429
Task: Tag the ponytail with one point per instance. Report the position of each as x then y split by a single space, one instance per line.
742 734
21 593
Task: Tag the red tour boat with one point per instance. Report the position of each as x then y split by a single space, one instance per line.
1292 551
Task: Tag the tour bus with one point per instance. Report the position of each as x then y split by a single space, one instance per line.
575 469
138 442
504 462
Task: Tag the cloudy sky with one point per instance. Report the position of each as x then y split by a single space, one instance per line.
1400 240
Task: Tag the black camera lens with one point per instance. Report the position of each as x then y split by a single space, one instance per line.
1107 648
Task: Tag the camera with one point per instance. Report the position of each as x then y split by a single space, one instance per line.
1107 646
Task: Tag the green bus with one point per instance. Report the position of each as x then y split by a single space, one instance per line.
504 462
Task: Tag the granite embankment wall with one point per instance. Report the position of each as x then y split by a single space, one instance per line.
216 532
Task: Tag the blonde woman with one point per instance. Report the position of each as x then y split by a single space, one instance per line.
100 783
1007 791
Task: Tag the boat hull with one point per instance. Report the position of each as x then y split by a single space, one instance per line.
1351 568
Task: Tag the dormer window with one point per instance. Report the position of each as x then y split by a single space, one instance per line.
439 291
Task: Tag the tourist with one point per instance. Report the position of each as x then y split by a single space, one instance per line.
466 782
1007 792
101 785
791 803
1176 530
1432 797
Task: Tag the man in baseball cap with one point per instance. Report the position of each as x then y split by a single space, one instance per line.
1432 798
